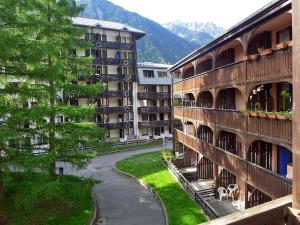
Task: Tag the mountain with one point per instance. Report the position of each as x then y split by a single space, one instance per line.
199 33
159 45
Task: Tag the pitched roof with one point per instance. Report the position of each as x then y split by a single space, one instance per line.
152 65
90 22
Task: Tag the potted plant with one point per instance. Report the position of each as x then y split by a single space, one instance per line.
285 95
246 112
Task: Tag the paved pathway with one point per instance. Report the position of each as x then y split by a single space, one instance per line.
122 201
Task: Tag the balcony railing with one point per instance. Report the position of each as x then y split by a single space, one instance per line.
154 109
161 123
119 125
274 66
265 180
115 94
114 61
117 109
111 77
153 95
113 45
270 128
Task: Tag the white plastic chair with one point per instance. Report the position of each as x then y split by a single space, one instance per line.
222 193
231 189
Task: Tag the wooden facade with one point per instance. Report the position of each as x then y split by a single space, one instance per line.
232 95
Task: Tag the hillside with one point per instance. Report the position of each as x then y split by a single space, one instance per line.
159 45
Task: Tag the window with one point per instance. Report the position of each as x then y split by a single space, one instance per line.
124 55
130 55
123 39
148 73
87 52
144 117
87 36
177 75
162 74
99 70
104 54
284 35
144 132
104 37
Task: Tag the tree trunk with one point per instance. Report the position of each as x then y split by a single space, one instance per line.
1 183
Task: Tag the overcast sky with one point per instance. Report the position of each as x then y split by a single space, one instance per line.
225 13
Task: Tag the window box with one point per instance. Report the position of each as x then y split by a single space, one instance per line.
254 114
254 57
246 57
271 116
282 45
262 114
282 117
267 52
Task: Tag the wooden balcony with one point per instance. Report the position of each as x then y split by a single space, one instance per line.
153 95
277 65
269 67
153 124
114 61
234 120
155 109
113 45
111 77
265 180
119 125
117 109
115 94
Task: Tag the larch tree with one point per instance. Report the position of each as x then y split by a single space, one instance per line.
38 72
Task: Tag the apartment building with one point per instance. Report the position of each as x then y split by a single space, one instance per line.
153 98
115 67
233 107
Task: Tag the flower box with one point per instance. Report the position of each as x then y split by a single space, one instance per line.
262 114
282 45
254 57
281 117
253 114
266 52
246 58
271 116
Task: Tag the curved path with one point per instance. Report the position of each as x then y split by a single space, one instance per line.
121 200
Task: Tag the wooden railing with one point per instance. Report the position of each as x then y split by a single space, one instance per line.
189 189
270 128
273 212
265 180
279 64
276 65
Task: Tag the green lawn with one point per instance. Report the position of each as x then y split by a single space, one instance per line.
66 201
182 210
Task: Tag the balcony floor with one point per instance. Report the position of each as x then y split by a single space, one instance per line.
223 208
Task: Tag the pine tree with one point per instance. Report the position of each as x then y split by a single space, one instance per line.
38 45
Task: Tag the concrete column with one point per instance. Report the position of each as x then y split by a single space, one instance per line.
296 104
